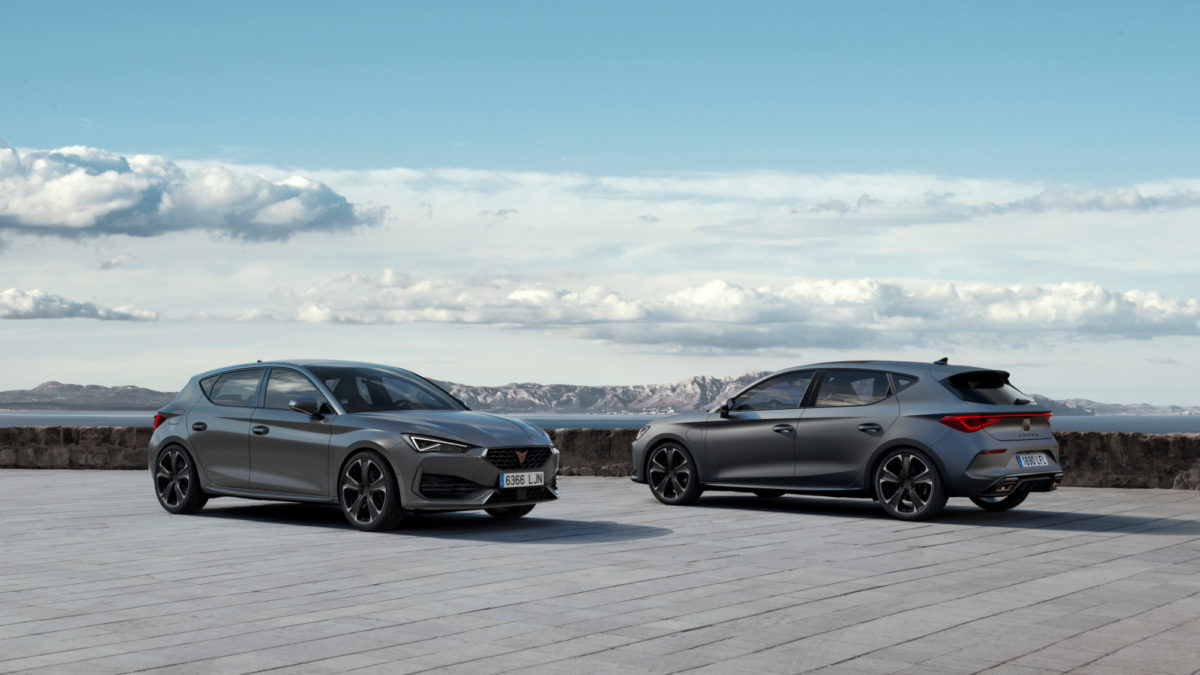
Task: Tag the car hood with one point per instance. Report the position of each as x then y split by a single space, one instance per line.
468 426
693 416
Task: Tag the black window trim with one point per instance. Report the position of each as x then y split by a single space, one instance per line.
803 401
259 392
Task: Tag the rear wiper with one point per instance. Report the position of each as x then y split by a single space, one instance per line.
1022 401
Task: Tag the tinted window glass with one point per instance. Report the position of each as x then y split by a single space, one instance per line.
285 385
851 387
903 381
777 393
987 386
373 389
207 383
237 388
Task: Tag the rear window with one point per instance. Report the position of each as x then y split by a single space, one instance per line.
986 386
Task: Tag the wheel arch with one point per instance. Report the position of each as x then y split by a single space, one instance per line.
677 440
868 478
339 464
181 443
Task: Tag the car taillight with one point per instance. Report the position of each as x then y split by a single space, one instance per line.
972 423
159 418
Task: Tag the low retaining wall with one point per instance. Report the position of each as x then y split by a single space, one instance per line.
1089 459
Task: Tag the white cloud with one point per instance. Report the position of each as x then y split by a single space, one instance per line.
37 304
722 316
79 191
113 262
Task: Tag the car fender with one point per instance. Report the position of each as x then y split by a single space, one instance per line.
157 447
893 443
669 436
347 440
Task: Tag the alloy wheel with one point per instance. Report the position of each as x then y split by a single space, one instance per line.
906 484
173 478
670 472
364 491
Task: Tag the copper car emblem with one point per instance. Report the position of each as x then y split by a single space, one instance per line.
1026 424
521 454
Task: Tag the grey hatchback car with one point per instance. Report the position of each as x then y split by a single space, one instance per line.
376 440
908 435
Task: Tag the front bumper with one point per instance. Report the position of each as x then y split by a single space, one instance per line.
466 481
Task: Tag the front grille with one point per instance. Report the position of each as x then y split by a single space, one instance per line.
533 494
506 458
440 486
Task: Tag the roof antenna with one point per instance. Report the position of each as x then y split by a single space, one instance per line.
942 361
259 361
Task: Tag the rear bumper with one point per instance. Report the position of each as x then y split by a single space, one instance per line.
1044 482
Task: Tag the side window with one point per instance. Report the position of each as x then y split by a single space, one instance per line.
207 383
238 388
851 387
778 393
903 381
285 385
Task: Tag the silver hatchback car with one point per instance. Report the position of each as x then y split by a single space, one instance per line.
909 435
379 441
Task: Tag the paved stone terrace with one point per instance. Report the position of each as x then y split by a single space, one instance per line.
96 578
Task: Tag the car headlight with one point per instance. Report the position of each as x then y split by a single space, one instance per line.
426 444
642 432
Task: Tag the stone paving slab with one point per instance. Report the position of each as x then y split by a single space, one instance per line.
96 578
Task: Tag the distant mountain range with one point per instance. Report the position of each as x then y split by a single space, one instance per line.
694 393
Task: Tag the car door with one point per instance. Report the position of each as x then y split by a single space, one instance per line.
753 442
850 412
289 450
220 427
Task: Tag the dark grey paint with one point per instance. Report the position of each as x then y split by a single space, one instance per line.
297 457
833 456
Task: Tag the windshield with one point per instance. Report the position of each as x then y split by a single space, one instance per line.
364 389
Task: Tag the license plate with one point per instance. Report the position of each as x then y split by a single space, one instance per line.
1033 459
519 480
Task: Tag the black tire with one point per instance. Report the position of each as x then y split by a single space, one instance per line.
768 494
368 493
672 475
510 512
908 485
1001 503
176 481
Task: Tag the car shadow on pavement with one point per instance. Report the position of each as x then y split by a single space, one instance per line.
465 525
962 512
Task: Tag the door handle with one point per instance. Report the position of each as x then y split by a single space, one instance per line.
259 430
199 426
782 429
870 428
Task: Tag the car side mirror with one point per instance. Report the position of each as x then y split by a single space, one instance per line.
726 407
307 405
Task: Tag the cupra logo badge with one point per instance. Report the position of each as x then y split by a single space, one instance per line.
521 454
1026 424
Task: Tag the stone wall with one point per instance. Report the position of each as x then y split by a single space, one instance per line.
1118 459
1090 459
73 447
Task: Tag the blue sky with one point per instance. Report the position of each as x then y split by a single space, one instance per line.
1074 91
602 193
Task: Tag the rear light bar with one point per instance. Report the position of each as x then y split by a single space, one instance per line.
972 423
159 418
